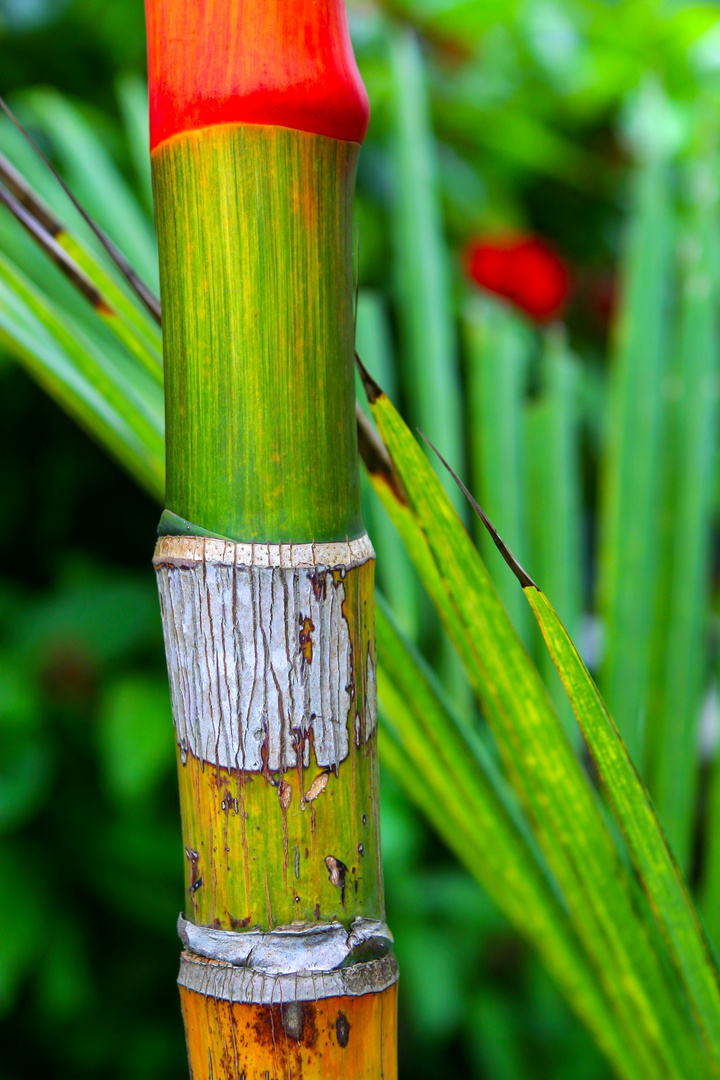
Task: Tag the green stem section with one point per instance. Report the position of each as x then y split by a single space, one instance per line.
255 232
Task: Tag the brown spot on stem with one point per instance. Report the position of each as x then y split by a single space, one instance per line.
306 644
263 1026
285 794
336 873
295 1020
195 875
317 787
342 1029
298 1021
319 584
229 803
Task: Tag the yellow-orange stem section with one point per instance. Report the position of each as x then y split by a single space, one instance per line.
309 1040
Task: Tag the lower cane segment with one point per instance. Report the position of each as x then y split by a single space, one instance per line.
247 1024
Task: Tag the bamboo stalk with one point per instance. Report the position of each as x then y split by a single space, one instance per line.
264 570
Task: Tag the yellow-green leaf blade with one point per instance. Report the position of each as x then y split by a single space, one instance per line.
633 808
457 786
543 769
122 415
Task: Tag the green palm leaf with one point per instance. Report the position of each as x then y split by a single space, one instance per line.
539 760
657 868
452 778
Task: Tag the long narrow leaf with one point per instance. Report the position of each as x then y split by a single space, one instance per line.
633 808
396 574
498 346
545 773
130 306
458 788
663 883
124 417
48 243
685 667
422 281
628 556
709 899
421 258
132 94
81 142
100 188
553 499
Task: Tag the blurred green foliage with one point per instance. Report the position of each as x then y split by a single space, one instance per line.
492 116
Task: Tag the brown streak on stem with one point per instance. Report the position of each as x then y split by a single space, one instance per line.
284 797
267 895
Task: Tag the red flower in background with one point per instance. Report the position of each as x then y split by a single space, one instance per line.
524 270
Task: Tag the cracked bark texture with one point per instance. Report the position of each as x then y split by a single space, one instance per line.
262 665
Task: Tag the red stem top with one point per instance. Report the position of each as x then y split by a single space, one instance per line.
282 62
